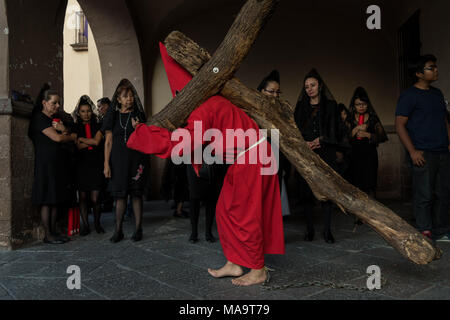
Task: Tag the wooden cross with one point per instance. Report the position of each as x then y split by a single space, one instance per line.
214 75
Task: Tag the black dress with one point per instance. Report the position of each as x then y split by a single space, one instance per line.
90 175
51 186
129 168
207 188
319 121
364 156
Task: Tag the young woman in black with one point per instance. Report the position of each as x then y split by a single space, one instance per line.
90 160
270 86
319 121
367 133
51 186
126 168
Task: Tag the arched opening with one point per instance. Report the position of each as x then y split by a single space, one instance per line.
82 71
34 54
117 43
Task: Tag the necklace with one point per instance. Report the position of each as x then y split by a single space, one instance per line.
124 127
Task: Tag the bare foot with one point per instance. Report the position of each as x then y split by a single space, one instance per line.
252 278
229 270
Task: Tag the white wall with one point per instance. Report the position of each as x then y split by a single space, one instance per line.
82 72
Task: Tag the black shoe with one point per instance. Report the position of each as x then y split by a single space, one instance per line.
85 232
61 237
193 239
328 237
181 215
309 235
210 238
99 229
137 236
185 214
117 237
57 241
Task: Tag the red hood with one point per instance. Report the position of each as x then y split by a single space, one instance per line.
178 76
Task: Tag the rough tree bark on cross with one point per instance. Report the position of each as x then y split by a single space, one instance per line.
214 75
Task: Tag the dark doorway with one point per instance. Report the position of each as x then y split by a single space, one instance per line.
409 48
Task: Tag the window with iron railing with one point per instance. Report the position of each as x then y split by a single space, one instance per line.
81 33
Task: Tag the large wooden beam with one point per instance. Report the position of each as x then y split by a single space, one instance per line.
325 183
222 66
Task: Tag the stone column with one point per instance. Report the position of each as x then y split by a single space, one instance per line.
5 135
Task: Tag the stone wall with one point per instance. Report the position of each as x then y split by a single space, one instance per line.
394 180
25 223
35 44
5 181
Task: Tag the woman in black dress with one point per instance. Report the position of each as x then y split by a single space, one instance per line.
319 121
89 162
126 168
51 186
367 133
270 86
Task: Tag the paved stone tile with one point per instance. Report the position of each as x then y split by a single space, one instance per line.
429 273
193 254
3 292
280 279
131 284
45 289
385 253
44 256
356 245
396 287
248 293
22 269
291 261
203 284
342 294
207 260
363 261
59 270
434 293
313 251
332 272
135 257
9 256
172 272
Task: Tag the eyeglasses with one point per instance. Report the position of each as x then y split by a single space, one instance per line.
431 68
273 92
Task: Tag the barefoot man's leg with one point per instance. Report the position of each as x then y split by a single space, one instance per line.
229 270
254 277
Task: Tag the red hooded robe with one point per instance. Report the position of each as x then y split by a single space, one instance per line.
248 212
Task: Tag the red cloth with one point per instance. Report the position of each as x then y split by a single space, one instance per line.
361 122
87 127
248 212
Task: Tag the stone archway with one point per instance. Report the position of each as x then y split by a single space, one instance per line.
117 43
30 54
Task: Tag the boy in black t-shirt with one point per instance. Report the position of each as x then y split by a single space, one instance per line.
423 128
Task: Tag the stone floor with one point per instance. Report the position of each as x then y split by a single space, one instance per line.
164 266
